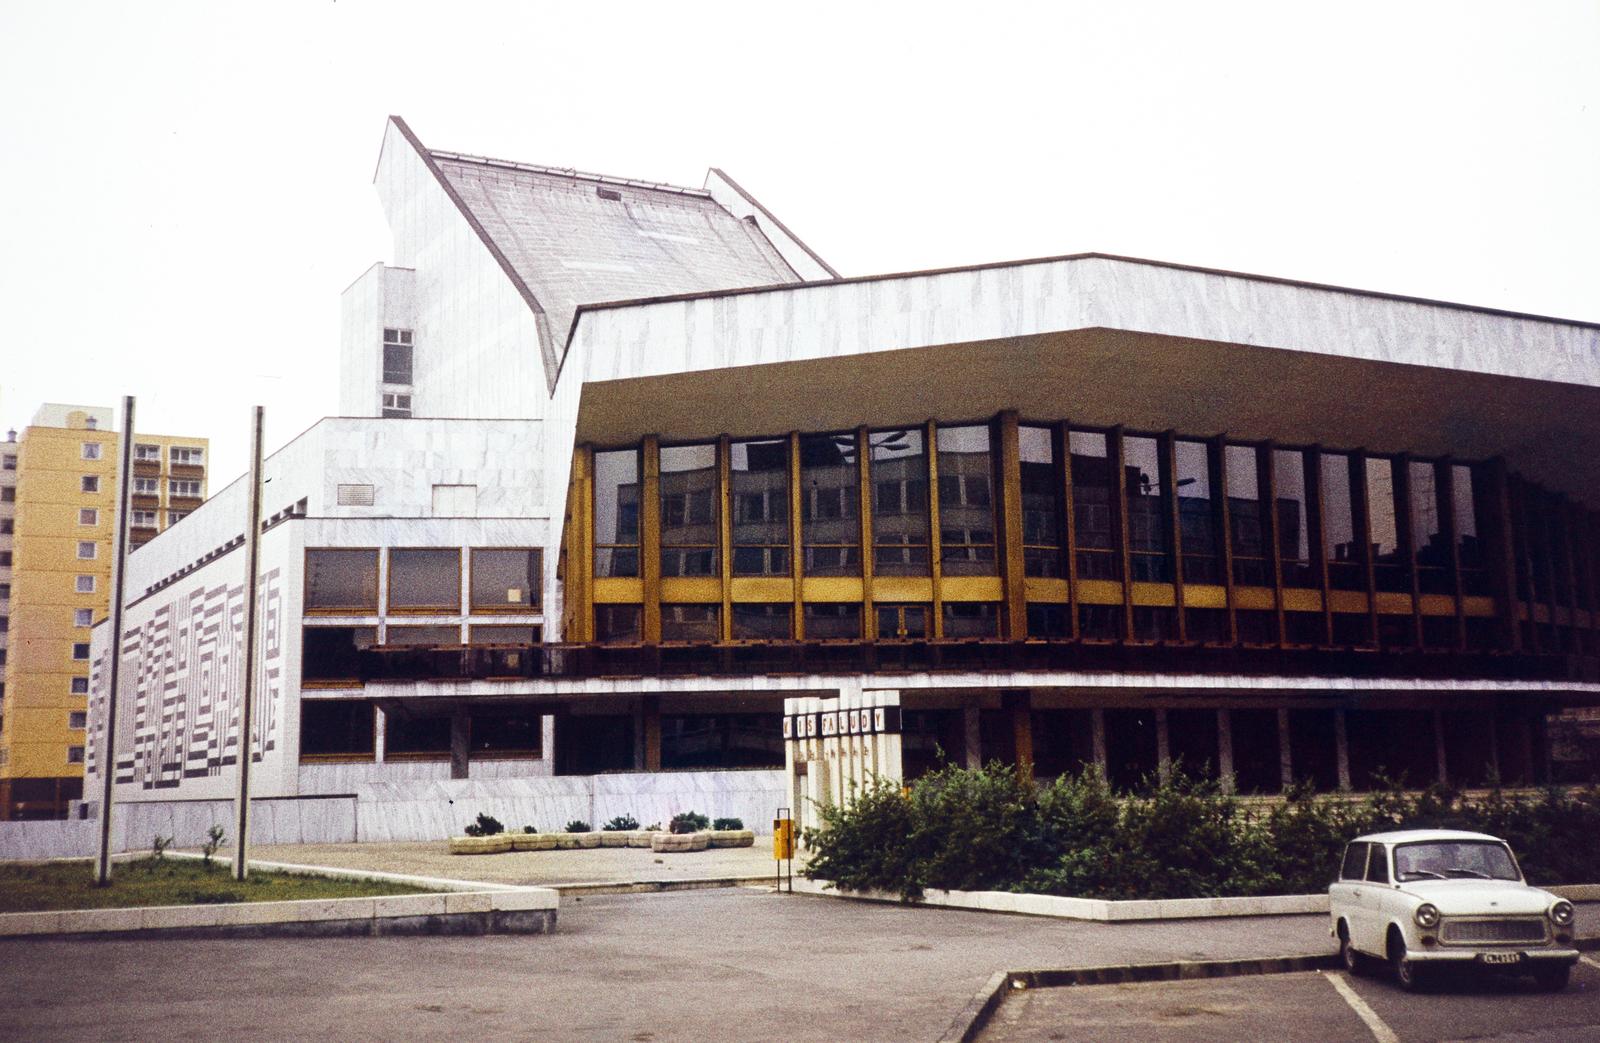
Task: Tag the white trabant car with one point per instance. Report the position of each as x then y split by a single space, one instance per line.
1426 899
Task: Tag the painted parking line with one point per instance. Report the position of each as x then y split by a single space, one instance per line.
1591 961
1380 1031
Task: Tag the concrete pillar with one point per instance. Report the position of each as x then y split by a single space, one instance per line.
380 728
651 710
460 743
1097 733
1225 750
1285 751
1019 707
1438 748
1163 745
972 736
1341 747
638 734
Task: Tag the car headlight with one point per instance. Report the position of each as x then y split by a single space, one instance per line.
1561 913
1427 915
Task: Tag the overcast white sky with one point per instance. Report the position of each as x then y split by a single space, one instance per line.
187 187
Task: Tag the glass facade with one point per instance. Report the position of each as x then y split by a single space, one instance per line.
616 513
1041 504
966 501
759 497
899 503
830 504
689 523
1094 507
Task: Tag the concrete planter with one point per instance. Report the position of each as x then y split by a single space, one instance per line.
640 837
680 841
532 842
732 838
494 845
614 838
567 841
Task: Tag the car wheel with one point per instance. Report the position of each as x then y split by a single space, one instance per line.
1353 961
1552 979
1411 975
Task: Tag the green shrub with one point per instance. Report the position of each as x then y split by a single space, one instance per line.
728 823
621 823
689 822
485 826
529 829
867 845
214 838
578 825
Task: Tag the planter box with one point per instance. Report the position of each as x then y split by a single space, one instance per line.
732 838
500 842
567 841
640 838
680 841
532 842
614 838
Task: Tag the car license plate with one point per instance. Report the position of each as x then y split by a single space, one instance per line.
1500 957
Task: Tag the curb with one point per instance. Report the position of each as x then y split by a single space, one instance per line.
635 887
980 1009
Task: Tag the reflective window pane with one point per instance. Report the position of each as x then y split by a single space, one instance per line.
333 653
1149 530
505 580
1346 562
899 503
619 624
1197 514
1246 526
422 636
830 519
1294 536
702 623
766 622
971 619
425 579
1388 561
689 510
616 513
966 501
759 490
336 727
903 622
342 580
1430 550
828 621
1041 504
1094 507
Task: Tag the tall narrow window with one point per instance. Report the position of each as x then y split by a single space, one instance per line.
1094 507
966 501
759 498
397 356
1470 507
1245 523
425 579
1294 536
1345 555
899 503
1388 563
1041 505
1149 532
689 510
830 515
1197 514
616 513
1430 550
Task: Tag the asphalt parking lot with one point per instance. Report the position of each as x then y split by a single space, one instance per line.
1304 1008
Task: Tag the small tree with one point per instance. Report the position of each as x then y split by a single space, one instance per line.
214 837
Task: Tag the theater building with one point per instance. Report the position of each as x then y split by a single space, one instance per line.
625 465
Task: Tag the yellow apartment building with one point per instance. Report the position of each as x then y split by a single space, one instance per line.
63 522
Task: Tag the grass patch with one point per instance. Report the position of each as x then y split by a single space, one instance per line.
31 887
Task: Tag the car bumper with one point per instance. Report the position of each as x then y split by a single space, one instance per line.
1470 956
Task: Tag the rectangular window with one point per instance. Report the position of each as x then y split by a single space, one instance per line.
689 524
88 516
1294 537
5 558
142 519
1388 561
1247 527
832 622
769 622
88 550
899 503
80 650
1048 621
85 585
505 580
964 620
1469 508
8 493
700 623
397 348
1430 550
425 580
422 637
396 406
616 513
1041 505
5 591
333 654
9 462
966 501
520 636
91 450
89 483
74 754
619 624
1149 525
188 487
1094 507
145 451
341 580
189 456
903 622
83 617
506 734
1345 556
830 514
759 489
77 720
146 487
174 517
417 736
80 686
336 727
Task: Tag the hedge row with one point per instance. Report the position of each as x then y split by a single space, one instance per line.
1178 836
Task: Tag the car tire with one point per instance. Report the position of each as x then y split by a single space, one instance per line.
1354 963
1411 975
1552 979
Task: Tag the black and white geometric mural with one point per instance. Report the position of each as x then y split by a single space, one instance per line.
183 684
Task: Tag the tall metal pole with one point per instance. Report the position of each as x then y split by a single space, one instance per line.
119 553
252 545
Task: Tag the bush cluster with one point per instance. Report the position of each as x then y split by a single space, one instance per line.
689 822
1176 836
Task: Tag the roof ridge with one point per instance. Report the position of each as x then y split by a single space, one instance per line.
571 172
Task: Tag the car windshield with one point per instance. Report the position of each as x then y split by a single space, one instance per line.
1454 860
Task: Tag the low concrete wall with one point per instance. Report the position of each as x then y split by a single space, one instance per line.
319 820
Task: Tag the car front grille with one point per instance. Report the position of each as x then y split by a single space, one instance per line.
1466 932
